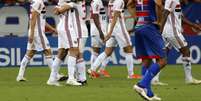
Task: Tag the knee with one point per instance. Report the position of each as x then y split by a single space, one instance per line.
108 51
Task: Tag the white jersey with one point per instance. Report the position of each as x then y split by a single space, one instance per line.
40 41
81 7
120 34
98 8
172 33
174 20
67 31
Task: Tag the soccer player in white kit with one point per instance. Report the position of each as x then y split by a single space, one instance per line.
172 34
37 41
72 38
99 23
116 34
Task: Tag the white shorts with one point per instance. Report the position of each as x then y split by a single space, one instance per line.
174 40
82 43
66 40
95 37
120 36
39 43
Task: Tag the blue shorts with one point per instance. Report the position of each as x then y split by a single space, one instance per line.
149 42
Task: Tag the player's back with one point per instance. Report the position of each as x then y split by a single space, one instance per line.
145 11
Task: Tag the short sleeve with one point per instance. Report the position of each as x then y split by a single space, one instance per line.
95 6
37 6
118 6
170 5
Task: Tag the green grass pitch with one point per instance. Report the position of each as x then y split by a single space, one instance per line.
116 88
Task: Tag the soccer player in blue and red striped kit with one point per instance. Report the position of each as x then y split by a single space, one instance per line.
149 43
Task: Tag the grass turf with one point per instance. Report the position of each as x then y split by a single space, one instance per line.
117 88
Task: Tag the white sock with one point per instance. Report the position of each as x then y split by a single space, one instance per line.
156 78
55 68
187 68
129 63
104 63
71 67
23 65
94 56
49 61
98 61
81 70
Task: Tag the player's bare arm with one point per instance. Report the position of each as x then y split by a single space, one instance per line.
95 17
164 19
113 22
62 9
194 25
51 28
159 10
34 17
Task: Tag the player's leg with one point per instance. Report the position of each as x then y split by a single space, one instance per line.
152 42
48 57
54 75
29 54
187 66
110 44
72 58
81 67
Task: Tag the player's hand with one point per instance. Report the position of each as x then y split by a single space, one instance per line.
30 39
107 37
56 11
101 35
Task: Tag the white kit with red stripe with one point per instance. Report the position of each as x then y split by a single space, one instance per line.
81 6
172 32
67 27
119 35
98 8
40 41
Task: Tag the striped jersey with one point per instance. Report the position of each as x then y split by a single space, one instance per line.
174 20
38 6
145 11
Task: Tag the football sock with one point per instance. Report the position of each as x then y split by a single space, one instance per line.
23 65
105 62
81 70
98 61
71 67
55 68
129 63
156 78
187 68
149 75
94 56
49 61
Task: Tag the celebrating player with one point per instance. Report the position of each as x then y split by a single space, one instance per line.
172 34
117 34
98 29
37 40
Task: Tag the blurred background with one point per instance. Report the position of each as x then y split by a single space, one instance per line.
14 20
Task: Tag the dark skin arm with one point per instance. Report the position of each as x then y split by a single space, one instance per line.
95 17
186 21
164 19
159 10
